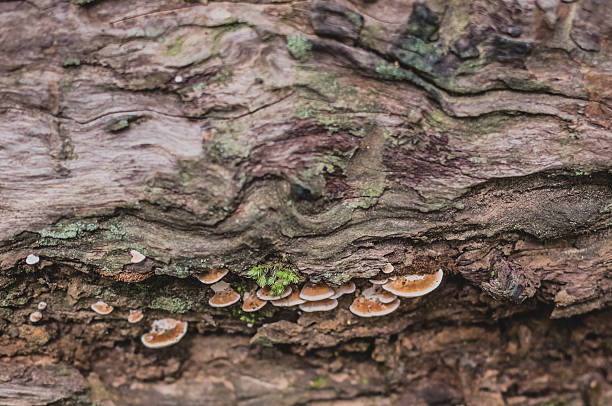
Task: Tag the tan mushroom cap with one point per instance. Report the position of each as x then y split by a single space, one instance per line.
376 293
137 257
292 300
135 316
345 288
414 285
102 308
319 305
212 276
264 293
379 280
364 307
35 317
164 332
224 298
316 291
388 268
252 303
42 305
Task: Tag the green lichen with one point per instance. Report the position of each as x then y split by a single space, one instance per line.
71 62
275 275
175 48
389 71
299 47
171 304
320 382
118 126
64 231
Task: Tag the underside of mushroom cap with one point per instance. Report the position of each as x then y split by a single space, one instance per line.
164 332
319 305
363 307
316 291
414 285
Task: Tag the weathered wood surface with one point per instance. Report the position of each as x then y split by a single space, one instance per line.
341 135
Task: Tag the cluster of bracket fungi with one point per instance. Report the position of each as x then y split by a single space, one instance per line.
379 299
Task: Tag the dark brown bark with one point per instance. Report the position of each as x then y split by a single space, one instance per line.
334 137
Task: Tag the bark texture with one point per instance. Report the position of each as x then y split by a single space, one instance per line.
333 137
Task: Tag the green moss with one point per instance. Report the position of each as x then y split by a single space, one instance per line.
170 304
68 230
320 382
175 48
71 62
118 126
275 275
299 47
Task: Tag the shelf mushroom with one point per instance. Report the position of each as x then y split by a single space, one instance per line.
414 285
293 299
388 268
135 316
137 257
364 307
345 288
35 317
316 291
212 276
164 333
319 305
102 308
252 303
266 294
32 259
224 295
375 293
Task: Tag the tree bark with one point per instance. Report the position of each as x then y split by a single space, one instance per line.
333 137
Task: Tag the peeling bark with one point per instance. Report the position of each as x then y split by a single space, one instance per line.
334 137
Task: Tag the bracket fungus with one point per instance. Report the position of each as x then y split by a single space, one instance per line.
137 257
319 305
292 300
164 333
344 289
265 293
42 306
135 316
375 293
102 308
212 276
224 295
414 285
252 303
364 307
316 291
379 280
388 268
32 259
35 317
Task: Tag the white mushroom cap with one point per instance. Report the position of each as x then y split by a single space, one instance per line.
388 268
414 285
164 332
42 305
36 316
102 308
32 259
319 305
264 293
345 288
137 257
